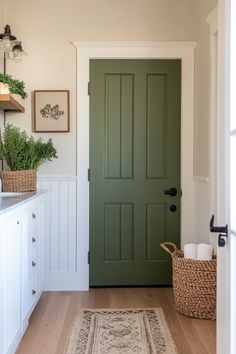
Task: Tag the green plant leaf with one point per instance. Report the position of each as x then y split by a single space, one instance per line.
22 152
15 86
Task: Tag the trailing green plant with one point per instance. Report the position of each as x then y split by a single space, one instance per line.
15 86
22 152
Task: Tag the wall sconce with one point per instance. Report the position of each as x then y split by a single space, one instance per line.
9 44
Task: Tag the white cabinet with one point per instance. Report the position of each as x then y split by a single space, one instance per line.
32 260
21 269
10 280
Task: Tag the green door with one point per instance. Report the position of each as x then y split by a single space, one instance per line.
134 159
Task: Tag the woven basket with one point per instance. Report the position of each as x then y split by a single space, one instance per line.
19 181
194 284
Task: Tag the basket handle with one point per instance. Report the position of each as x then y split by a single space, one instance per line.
167 247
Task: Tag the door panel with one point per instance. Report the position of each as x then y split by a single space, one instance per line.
118 232
134 157
156 118
119 126
156 219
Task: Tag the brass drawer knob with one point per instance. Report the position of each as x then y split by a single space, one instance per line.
33 239
33 215
33 264
33 292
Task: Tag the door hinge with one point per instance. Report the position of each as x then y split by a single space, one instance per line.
88 257
89 174
89 88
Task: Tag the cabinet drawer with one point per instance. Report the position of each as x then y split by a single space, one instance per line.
33 221
33 267
33 250
33 241
31 294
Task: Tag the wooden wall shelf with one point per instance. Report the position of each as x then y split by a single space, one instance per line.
9 104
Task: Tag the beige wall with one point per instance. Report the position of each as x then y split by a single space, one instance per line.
202 110
202 78
46 28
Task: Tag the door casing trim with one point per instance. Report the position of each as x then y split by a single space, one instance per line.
132 50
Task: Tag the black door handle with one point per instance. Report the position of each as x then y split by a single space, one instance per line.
172 192
223 230
218 229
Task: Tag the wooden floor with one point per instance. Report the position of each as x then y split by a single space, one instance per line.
51 321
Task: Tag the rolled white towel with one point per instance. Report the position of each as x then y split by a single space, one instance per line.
190 251
204 252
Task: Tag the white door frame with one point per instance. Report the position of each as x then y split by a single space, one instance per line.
223 261
226 277
212 20
132 50
217 168
226 255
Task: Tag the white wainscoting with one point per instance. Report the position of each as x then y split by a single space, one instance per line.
61 232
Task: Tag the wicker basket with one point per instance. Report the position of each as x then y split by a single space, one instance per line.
194 284
19 181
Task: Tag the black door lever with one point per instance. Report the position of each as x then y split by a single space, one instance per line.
218 229
222 230
172 192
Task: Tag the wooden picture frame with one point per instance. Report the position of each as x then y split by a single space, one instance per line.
51 111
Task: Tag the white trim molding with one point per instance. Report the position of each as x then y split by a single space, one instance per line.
132 50
137 44
57 177
202 179
212 20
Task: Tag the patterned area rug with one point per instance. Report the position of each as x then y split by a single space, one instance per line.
129 331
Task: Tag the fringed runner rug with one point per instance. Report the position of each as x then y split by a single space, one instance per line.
129 331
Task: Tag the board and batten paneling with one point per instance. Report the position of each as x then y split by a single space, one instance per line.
61 232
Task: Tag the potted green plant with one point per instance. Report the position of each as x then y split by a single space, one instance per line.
16 87
23 155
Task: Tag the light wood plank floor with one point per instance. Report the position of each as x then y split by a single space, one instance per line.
51 321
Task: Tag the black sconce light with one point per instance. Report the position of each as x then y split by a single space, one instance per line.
9 44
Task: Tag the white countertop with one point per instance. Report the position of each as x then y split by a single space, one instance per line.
8 202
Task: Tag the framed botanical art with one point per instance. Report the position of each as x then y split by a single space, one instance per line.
51 111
